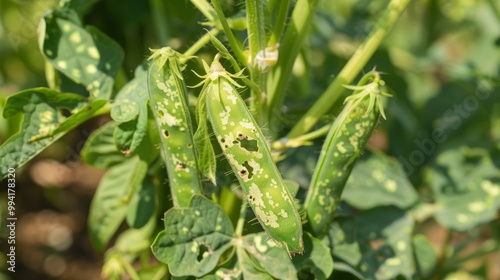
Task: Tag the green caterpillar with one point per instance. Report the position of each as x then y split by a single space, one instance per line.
246 150
167 93
343 146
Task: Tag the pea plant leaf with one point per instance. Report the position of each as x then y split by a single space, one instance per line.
229 270
109 205
142 206
258 257
379 181
268 257
131 111
316 258
466 185
43 113
100 150
425 257
85 55
132 99
194 238
376 243
135 240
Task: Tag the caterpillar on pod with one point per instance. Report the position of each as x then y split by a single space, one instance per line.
167 93
247 151
343 145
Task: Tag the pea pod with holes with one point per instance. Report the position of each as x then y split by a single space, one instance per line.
342 147
246 150
167 94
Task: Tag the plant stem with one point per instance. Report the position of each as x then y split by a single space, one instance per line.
160 21
487 247
241 220
351 69
279 23
200 43
235 46
204 7
256 42
292 42
301 140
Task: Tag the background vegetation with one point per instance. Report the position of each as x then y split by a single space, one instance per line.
440 142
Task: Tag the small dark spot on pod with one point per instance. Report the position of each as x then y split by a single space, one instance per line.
180 166
222 140
243 172
190 145
240 135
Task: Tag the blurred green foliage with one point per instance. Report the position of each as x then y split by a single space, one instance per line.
442 64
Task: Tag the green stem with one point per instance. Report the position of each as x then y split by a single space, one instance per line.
241 220
200 43
351 69
256 42
160 21
445 250
229 202
121 79
487 247
279 23
301 140
225 54
235 46
292 42
204 7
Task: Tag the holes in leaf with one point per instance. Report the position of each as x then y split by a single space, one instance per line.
166 134
160 113
180 166
202 250
249 144
65 112
248 169
240 135
190 145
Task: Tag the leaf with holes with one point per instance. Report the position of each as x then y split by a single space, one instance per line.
194 238
86 56
43 112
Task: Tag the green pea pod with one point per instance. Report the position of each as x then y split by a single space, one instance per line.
343 146
167 93
246 150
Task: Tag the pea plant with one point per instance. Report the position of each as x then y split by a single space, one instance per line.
213 173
